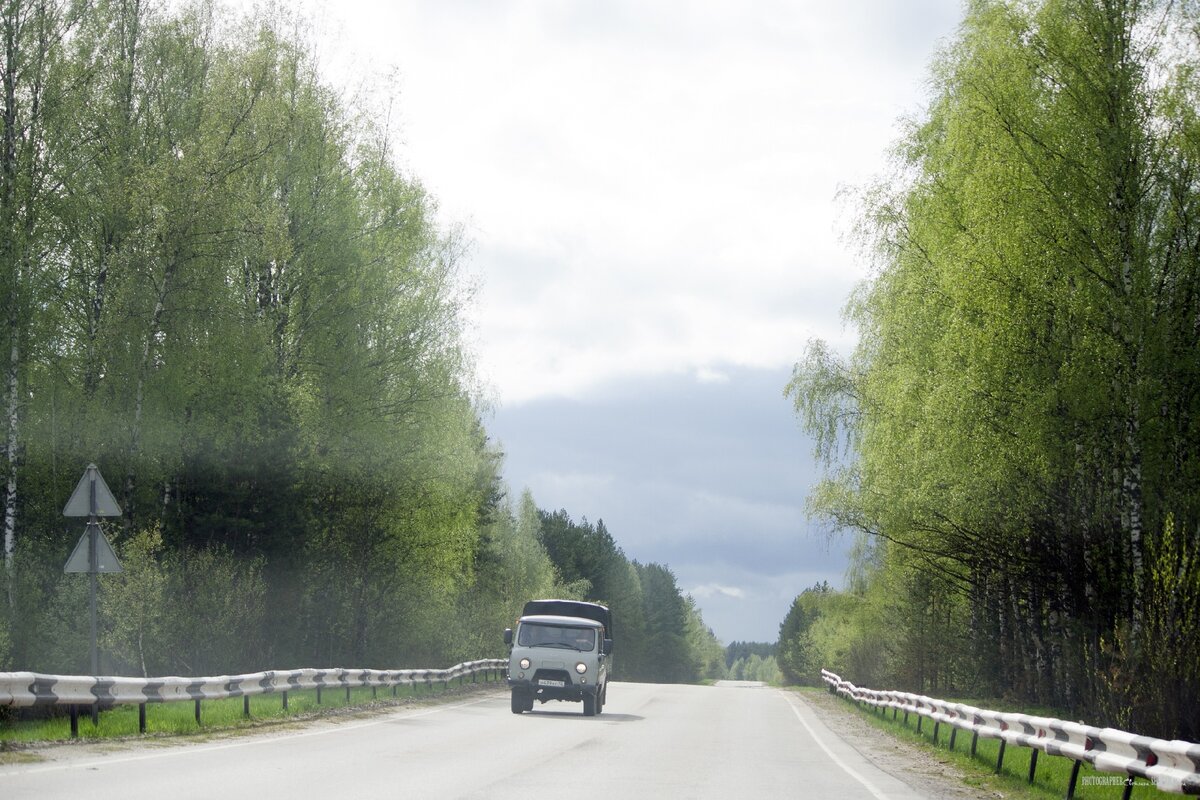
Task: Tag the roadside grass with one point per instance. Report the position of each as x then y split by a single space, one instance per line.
179 718
1052 774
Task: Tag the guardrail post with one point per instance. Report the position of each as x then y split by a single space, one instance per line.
141 717
246 706
318 694
920 719
347 693
1033 754
936 724
1000 757
974 743
1074 780
197 712
953 736
285 699
374 691
74 721
1128 788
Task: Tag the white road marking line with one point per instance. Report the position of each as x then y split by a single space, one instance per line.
870 786
177 750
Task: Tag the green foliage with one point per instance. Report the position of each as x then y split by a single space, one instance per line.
134 605
227 294
1017 424
800 660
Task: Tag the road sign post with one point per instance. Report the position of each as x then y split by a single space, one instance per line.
92 554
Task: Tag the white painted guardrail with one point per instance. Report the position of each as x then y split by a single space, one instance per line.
25 689
1173 766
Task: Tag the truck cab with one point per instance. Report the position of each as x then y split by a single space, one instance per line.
561 650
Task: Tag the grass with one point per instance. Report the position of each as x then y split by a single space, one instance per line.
178 719
1051 777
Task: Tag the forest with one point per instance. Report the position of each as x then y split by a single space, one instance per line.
1014 442
217 284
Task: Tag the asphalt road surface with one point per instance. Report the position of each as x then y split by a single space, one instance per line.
651 741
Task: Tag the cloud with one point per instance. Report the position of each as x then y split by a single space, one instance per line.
649 186
714 589
684 473
756 614
710 375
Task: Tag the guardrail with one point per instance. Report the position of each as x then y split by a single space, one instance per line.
1173 766
24 689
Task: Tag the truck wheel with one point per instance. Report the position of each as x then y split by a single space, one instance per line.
521 701
589 705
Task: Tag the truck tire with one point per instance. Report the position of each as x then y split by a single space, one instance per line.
589 705
521 701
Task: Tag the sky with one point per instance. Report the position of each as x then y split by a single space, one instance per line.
652 192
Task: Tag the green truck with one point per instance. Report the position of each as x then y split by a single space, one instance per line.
561 650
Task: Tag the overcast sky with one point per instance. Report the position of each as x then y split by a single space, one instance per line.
649 187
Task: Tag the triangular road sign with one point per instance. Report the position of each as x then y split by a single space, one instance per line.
80 504
106 559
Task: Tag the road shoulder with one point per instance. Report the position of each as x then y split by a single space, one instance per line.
931 775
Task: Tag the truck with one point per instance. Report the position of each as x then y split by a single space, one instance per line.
561 650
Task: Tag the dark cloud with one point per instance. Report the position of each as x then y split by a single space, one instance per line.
707 476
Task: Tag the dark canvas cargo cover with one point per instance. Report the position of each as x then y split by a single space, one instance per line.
572 608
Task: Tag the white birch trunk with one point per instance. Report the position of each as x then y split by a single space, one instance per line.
10 449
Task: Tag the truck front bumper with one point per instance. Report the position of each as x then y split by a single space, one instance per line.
552 688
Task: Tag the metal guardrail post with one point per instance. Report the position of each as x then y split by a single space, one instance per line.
74 721
1032 763
1074 780
197 712
141 717
1000 757
246 706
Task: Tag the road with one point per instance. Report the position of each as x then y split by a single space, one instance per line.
652 741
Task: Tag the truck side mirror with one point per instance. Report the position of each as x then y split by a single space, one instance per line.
508 635
608 647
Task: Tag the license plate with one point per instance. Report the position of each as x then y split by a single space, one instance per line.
558 684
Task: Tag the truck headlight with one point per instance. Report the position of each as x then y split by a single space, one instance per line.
524 662
581 667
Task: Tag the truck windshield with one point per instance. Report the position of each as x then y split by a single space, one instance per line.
534 634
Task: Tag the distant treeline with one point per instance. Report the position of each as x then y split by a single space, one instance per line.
216 284
1016 438
738 651
752 661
